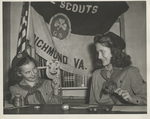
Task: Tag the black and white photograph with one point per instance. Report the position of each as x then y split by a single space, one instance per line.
71 59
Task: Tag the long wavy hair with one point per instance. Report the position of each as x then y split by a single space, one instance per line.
119 58
14 77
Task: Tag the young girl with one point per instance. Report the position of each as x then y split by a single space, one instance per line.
33 89
116 82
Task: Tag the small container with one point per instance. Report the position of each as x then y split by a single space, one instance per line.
18 101
22 98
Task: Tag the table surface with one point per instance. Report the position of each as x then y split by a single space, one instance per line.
57 109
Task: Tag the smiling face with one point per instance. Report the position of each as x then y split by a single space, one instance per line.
104 54
29 72
52 69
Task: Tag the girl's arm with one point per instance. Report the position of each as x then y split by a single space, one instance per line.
138 86
93 90
56 93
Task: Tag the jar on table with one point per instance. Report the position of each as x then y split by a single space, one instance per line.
18 101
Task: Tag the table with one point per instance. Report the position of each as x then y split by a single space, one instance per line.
57 109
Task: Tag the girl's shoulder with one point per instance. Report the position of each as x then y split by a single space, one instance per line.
97 71
46 85
47 81
131 68
15 87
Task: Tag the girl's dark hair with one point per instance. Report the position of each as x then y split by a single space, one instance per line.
25 60
14 78
119 58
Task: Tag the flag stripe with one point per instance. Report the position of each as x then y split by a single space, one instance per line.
20 49
22 32
23 29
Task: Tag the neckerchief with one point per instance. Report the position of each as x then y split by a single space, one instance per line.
33 90
110 85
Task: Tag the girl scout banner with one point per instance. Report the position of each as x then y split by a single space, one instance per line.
64 31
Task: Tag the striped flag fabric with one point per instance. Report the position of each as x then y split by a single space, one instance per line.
22 40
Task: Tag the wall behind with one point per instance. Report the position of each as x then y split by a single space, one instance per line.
6 43
15 16
135 34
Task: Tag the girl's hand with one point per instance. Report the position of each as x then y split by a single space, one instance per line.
124 94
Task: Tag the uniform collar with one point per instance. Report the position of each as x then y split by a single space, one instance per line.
115 73
114 68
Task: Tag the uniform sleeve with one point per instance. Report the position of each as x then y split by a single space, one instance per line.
13 93
92 99
139 87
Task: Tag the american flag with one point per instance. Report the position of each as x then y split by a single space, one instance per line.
22 40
